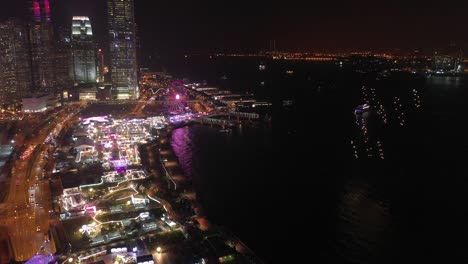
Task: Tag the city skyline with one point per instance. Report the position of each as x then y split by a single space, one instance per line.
295 26
45 58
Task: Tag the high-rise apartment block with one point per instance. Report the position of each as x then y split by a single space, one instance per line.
15 68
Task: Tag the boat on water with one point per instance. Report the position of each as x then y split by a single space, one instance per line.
225 130
361 109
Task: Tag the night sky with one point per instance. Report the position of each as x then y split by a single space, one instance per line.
183 26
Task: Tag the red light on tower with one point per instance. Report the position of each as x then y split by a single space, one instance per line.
37 11
47 9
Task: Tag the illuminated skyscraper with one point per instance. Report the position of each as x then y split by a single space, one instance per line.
41 46
83 51
100 71
138 50
15 68
121 25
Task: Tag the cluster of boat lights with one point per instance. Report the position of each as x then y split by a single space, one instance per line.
365 95
354 150
371 102
381 154
381 112
370 148
416 98
399 111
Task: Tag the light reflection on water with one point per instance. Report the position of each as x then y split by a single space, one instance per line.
370 221
182 145
363 221
232 174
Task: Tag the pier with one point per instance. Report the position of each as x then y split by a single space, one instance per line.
230 119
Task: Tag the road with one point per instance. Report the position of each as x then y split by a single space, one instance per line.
28 223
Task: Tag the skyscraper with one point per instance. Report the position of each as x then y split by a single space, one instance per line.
121 25
83 51
15 68
63 58
100 71
138 50
41 46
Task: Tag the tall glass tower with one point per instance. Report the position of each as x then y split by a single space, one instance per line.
83 51
41 45
121 25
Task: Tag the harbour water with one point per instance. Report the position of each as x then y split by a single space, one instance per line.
408 204
235 184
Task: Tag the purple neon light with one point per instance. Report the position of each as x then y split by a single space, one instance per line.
37 11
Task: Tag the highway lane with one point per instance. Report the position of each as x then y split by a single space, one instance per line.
28 224
32 225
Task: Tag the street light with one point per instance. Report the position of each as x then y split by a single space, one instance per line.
158 249
69 260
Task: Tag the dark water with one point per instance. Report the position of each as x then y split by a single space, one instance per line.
233 177
306 181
